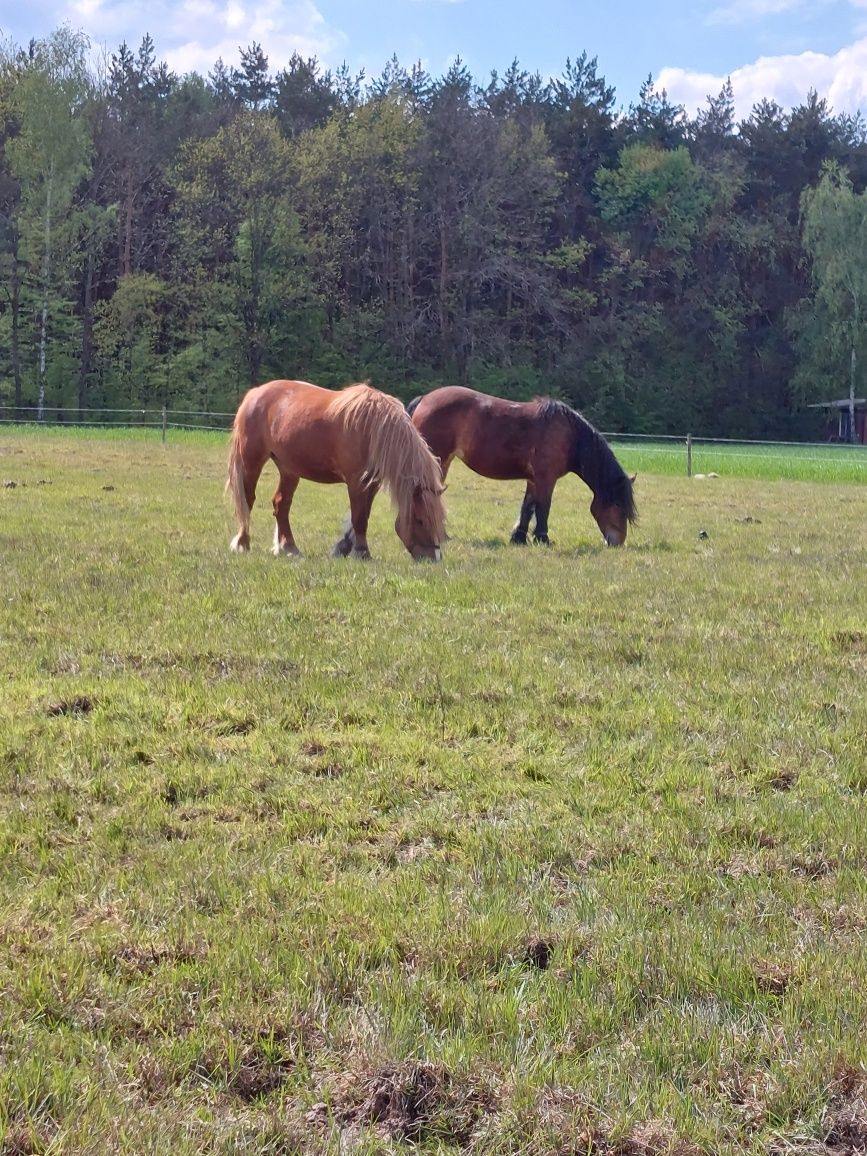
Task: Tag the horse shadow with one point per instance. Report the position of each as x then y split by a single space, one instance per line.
487 543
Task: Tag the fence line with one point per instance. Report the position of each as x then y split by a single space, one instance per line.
165 419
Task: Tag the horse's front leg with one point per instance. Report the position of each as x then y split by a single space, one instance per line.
519 533
353 543
284 542
543 508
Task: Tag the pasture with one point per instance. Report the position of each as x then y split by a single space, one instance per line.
535 851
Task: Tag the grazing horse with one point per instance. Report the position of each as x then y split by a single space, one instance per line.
538 440
356 435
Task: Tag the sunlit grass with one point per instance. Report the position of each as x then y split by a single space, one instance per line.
538 851
816 463
773 462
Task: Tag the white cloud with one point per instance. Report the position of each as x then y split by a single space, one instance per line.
740 11
841 78
191 35
88 10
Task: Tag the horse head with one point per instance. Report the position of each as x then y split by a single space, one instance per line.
420 528
614 514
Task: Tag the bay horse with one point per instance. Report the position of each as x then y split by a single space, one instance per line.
539 441
358 436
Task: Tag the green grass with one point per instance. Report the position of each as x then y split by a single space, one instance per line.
537 851
807 463
817 463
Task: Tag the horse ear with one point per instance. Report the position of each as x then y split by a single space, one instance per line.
632 478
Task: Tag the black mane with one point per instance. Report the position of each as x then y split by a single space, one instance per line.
594 460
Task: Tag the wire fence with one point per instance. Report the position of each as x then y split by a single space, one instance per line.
673 454
160 419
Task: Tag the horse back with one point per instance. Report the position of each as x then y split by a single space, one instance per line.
492 436
289 421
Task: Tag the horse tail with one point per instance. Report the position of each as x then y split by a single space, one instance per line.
411 406
236 484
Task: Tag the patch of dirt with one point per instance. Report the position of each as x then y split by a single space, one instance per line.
174 793
171 833
844 1127
846 918
143 959
228 728
650 1138
312 749
21 1140
538 953
82 704
318 764
252 1072
409 850
570 1126
536 776
846 1119
324 769
414 1101
783 779
804 866
739 866
847 1129
772 978
65 664
813 866
748 1093
750 836
850 640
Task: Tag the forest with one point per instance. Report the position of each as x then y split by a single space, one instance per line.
171 240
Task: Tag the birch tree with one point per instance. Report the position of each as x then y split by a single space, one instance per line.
48 157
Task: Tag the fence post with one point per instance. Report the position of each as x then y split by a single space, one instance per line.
689 455
164 425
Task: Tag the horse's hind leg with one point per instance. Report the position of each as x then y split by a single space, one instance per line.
244 473
284 543
528 507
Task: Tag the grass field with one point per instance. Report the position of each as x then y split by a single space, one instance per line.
549 852
774 462
756 460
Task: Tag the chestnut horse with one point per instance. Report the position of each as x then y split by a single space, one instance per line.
538 440
356 435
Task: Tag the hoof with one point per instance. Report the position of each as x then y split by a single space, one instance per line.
541 540
285 551
240 545
364 554
519 538
342 548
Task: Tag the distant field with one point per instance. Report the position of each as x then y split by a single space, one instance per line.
536 851
808 463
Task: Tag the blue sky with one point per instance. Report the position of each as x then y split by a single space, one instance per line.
770 48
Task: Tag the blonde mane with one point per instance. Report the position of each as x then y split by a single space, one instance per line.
397 454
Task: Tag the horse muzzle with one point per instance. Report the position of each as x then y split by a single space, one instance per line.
427 554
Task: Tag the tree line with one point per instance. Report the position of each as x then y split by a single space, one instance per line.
171 240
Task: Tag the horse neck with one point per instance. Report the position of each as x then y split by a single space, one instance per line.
407 465
592 458
389 448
